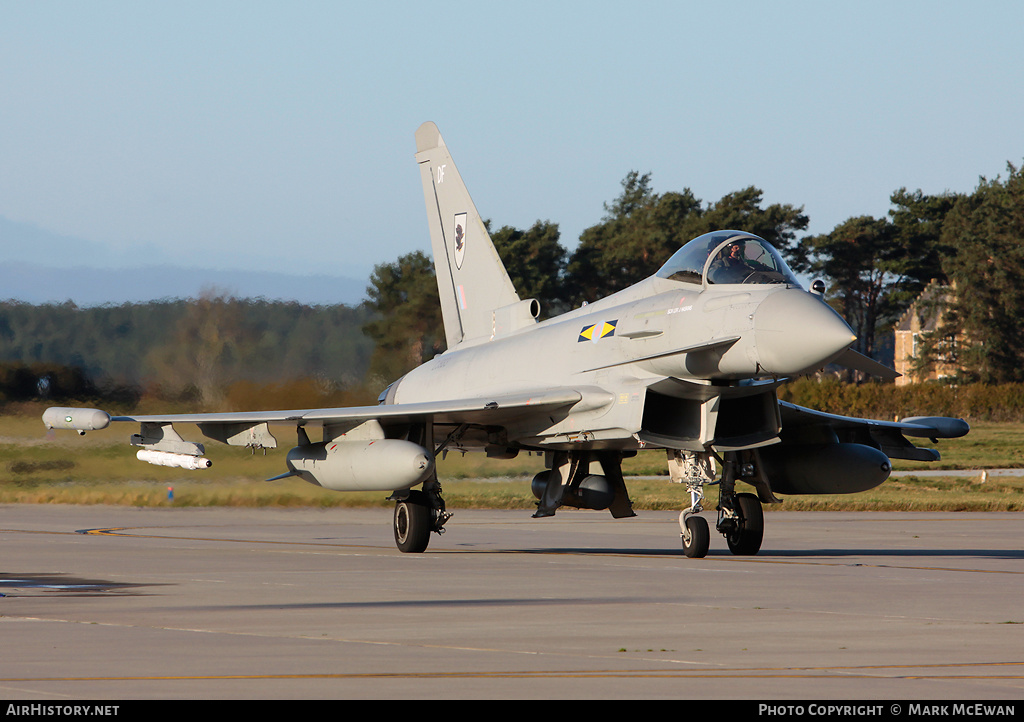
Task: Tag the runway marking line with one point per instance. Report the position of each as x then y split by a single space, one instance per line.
122 531
125 532
836 672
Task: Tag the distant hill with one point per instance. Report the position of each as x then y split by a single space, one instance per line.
40 266
38 283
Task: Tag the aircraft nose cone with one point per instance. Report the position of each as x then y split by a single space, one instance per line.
796 332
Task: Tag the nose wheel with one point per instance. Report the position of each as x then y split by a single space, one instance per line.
692 526
696 537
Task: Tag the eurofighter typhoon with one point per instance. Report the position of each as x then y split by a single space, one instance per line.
687 361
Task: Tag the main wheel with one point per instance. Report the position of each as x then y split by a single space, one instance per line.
746 537
696 537
412 525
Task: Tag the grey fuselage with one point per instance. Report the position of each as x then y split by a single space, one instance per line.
644 329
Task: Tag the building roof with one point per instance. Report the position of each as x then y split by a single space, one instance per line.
927 307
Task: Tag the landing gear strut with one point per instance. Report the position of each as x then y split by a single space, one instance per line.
420 512
417 514
740 517
694 470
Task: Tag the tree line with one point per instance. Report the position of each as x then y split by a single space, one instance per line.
188 349
207 349
874 268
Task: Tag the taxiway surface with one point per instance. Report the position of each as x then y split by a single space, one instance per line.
123 603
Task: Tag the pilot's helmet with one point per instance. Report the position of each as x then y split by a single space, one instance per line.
726 251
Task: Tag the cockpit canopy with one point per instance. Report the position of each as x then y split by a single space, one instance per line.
728 257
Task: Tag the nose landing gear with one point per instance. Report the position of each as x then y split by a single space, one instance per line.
740 516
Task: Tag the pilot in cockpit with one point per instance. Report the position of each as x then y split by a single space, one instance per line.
731 266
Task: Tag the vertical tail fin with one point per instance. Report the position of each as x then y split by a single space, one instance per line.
471 278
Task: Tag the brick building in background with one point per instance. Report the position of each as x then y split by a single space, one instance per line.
925 316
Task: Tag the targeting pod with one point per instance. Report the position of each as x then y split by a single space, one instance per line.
593 492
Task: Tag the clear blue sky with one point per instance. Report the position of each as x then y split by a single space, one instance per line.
279 135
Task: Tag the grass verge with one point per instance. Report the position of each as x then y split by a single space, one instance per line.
39 467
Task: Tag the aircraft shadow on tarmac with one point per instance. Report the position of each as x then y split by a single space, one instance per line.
65 585
445 603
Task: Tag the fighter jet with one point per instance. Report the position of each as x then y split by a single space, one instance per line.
687 362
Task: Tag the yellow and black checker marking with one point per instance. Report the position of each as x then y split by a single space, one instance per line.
597 331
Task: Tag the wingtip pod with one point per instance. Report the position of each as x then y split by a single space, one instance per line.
81 420
938 427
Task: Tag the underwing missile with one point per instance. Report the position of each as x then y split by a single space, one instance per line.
167 458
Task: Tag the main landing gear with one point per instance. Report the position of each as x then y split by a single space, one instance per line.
740 516
420 512
417 514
